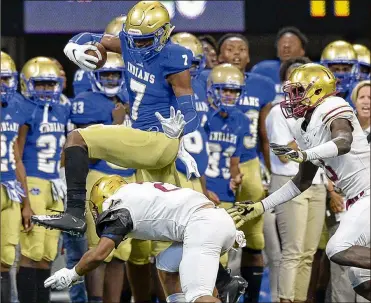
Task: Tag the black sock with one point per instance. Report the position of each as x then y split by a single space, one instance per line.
126 296
5 287
77 169
43 294
223 277
253 275
320 295
26 285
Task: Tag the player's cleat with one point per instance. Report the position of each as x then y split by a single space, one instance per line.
64 222
231 292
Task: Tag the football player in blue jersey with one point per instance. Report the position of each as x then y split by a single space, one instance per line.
156 74
195 142
341 58
290 43
364 60
15 204
258 94
40 140
81 81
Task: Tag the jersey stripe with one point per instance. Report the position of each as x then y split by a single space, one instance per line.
331 111
337 114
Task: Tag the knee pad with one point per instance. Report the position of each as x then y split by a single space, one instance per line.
178 297
358 276
169 259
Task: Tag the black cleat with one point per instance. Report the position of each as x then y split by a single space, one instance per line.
231 292
64 222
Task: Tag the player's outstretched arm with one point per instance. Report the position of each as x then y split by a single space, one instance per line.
94 257
182 87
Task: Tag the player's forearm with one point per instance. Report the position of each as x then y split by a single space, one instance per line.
22 178
84 38
89 261
336 147
187 107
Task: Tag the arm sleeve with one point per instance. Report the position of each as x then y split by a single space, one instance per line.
84 38
114 230
187 107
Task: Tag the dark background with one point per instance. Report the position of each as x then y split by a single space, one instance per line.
263 18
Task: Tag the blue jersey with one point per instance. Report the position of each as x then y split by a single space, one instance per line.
95 108
12 118
148 89
45 138
225 140
259 91
270 69
195 142
202 78
81 82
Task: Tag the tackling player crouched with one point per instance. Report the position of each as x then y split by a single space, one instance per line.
159 211
156 74
41 139
15 204
329 135
106 104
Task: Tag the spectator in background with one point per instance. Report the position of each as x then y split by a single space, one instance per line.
361 100
209 46
290 43
299 221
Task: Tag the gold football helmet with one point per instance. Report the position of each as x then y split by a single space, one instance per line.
9 77
147 29
191 42
41 80
341 58
115 26
307 87
109 79
104 188
363 55
225 85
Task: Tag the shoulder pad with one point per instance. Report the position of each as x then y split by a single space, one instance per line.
176 59
333 108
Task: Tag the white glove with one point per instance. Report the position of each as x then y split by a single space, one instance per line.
187 159
76 53
59 189
173 126
63 278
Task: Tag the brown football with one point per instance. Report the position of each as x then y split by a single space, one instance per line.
101 54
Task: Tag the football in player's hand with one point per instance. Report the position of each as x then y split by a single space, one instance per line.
100 53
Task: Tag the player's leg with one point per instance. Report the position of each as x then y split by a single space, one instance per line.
361 281
194 183
119 145
348 246
252 265
10 229
34 268
139 270
204 241
315 221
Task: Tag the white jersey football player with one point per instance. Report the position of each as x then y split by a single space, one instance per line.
159 211
329 136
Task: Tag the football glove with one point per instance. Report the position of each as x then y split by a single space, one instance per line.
63 278
173 126
284 150
76 53
242 212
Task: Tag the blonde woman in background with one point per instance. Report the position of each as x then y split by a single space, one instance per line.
362 101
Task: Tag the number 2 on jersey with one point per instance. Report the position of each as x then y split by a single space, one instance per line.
139 89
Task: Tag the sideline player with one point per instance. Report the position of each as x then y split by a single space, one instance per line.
40 141
329 135
158 211
156 74
259 92
15 203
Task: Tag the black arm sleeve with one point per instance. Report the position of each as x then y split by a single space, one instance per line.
114 225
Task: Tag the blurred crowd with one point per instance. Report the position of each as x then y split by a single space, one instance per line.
289 241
